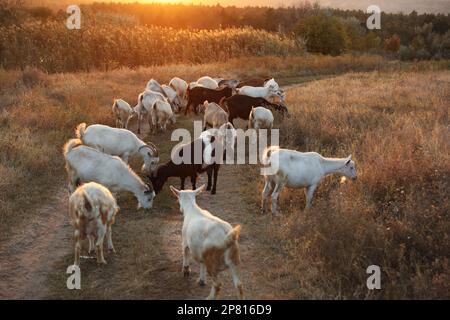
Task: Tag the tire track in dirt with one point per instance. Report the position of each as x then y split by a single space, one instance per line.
33 253
29 254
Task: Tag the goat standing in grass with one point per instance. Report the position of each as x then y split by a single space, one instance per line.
296 170
123 112
92 210
212 242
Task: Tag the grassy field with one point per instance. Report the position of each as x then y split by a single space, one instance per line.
392 117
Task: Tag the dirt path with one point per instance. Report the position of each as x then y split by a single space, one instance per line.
148 263
29 255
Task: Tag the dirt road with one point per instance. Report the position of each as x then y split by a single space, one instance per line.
147 265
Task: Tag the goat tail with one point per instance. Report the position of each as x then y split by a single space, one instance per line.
233 236
79 131
70 145
265 161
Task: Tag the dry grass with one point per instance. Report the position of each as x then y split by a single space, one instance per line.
397 214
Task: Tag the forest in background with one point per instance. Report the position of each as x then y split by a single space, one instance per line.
131 35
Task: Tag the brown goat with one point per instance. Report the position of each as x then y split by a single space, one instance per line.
198 95
240 106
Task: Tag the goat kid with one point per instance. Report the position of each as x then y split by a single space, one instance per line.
210 241
92 211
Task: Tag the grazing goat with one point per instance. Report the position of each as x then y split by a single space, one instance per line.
173 98
123 111
118 142
146 101
161 115
212 242
233 84
201 157
154 86
85 164
198 95
270 90
208 82
180 86
92 210
260 118
257 82
239 106
296 170
215 116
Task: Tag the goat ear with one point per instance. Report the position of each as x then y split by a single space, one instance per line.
200 190
175 192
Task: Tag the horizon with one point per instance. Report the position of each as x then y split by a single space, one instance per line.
393 6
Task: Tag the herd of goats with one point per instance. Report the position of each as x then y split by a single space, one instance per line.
97 164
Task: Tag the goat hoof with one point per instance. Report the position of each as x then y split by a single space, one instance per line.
101 263
111 250
201 282
214 192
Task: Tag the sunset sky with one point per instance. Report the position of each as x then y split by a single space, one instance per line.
432 6
386 5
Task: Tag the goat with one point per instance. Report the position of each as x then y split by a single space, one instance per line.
215 116
123 111
154 86
118 142
161 115
233 84
257 82
208 82
296 170
86 164
198 95
197 157
212 242
260 118
180 86
173 98
270 90
146 101
92 211
240 106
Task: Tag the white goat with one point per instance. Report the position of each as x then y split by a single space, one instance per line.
270 90
208 82
212 242
215 116
92 210
180 86
118 142
123 111
154 86
260 118
224 138
161 115
293 169
146 101
85 164
174 99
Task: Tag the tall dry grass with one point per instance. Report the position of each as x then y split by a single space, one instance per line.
396 215
54 48
38 112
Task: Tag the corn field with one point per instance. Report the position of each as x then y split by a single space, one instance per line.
54 48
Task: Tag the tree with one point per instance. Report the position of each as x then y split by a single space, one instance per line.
392 44
323 34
